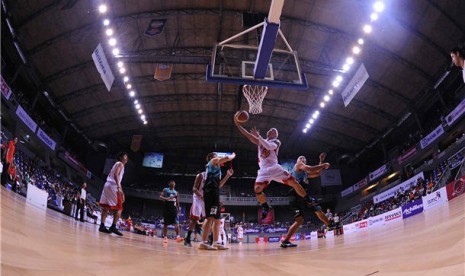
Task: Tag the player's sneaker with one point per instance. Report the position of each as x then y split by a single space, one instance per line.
286 244
115 231
103 229
206 246
331 226
187 243
179 239
219 246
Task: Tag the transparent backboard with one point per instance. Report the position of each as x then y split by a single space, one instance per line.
233 63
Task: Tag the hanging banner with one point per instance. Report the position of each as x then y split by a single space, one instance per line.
6 91
347 191
355 85
135 143
431 137
406 155
163 71
362 183
379 172
46 139
456 113
22 114
102 67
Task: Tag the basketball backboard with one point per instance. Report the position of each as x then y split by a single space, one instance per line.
233 63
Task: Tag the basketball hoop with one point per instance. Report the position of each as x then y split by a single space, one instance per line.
255 95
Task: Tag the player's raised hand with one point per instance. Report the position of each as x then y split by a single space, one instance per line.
255 132
232 156
230 172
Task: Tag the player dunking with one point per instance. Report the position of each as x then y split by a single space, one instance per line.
268 162
198 206
302 172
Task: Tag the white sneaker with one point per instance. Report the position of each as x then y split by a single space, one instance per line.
206 246
219 246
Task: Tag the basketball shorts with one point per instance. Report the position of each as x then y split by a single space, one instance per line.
170 213
197 208
212 203
275 172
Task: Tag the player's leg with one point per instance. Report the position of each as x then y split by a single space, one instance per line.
117 214
103 218
321 216
210 210
296 205
261 197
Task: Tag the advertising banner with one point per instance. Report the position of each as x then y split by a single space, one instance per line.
46 139
431 137
406 155
393 215
456 113
361 224
434 199
22 114
362 183
378 172
102 66
275 230
376 220
347 191
404 185
412 208
355 84
456 188
274 239
6 90
455 160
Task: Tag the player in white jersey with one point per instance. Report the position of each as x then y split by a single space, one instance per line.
268 162
240 233
222 238
198 206
112 195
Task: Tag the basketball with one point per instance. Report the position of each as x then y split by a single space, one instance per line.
242 116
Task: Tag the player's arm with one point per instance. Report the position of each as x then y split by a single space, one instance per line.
268 145
197 182
162 195
244 132
177 203
218 161
118 181
315 169
227 176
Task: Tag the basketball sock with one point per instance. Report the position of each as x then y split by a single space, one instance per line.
102 224
113 225
188 236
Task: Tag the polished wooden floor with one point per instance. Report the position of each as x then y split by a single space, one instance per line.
34 242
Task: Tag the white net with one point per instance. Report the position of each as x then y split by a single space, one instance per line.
255 95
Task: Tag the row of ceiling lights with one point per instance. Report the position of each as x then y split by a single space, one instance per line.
378 7
112 42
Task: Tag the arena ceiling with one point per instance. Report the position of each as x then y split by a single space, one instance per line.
405 56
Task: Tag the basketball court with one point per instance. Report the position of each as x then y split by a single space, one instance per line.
37 242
